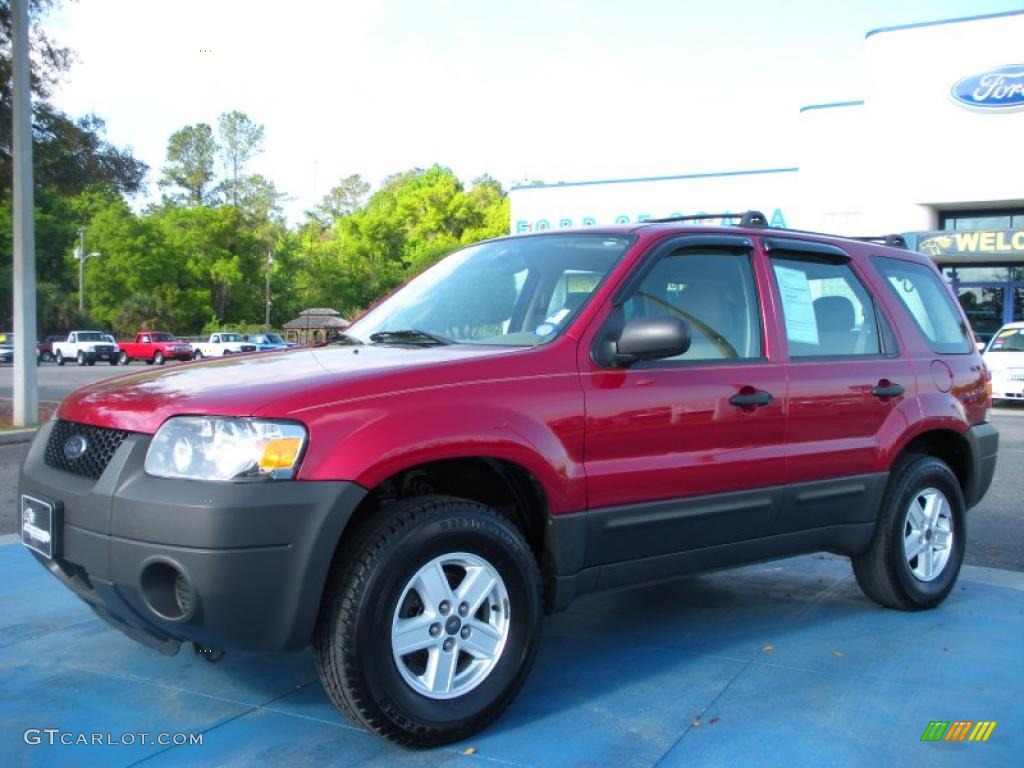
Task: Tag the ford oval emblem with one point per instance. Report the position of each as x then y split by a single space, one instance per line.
75 447
997 90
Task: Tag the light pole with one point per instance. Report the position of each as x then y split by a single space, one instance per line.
81 255
270 263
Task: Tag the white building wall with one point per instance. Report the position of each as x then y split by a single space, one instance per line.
888 164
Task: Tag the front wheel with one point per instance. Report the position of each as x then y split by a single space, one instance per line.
158 358
920 538
60 358
123 357
113 361
198 355
430 622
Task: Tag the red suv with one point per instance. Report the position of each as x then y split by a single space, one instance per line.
531 419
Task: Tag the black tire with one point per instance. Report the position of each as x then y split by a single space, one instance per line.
226 353
158 357
352 642
883 572
60 358
46 357
80 358
113 361
123 357
197 355
90 362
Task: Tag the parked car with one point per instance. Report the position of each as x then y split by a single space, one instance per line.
531 419
7 348
45 347
221 345
154 347
85 348
266 342
1004 356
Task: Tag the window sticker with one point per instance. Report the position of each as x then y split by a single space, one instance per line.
797 305
544 329
1009 332
559 316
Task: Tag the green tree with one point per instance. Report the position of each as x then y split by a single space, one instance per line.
240 140
190 155
349 195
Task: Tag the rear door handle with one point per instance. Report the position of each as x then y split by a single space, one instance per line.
746 399
887 389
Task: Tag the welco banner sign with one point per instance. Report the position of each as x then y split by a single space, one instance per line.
996 90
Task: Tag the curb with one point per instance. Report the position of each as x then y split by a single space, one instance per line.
12 436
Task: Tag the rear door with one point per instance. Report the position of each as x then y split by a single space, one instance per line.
679 451
846 384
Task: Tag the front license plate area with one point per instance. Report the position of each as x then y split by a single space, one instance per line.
40 525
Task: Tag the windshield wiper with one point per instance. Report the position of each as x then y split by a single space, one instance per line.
343 339
408 336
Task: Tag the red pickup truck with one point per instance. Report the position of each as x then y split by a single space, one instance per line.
154 347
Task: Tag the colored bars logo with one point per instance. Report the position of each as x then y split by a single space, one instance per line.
958 730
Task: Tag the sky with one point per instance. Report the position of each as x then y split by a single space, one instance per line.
542 90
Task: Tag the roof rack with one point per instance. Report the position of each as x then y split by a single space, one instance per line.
747 218
895 241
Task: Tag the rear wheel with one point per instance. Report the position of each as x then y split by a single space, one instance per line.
430 622
919 540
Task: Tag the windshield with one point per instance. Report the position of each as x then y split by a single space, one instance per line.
1007 340
517 292
273 338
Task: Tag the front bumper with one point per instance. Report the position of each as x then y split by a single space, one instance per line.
254 557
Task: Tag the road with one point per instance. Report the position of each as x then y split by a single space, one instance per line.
55 382
995 527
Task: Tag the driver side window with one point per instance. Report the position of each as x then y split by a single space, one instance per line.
713 291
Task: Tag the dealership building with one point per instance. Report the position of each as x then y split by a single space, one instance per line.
934 150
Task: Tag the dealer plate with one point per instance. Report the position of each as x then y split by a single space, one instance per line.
39 525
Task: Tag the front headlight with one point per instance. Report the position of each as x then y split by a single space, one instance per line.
226 448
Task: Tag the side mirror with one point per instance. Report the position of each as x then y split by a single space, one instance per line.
652 338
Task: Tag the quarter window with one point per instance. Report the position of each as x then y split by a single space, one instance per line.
713 291
827 311
928 302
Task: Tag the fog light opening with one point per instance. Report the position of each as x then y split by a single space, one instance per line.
168 592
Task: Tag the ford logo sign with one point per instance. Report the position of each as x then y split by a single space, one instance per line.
75 447
998 90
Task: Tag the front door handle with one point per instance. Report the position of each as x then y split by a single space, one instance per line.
886 388
751 397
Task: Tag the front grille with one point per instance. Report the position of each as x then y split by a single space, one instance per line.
101 444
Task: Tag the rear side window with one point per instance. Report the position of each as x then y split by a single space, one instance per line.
929 304
826 309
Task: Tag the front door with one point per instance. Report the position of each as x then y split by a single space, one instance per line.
678 451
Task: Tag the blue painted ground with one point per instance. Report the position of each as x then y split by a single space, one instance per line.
784 664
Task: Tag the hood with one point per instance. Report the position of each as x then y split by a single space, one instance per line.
241 385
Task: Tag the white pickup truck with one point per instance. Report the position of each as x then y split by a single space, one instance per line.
220 344
85 348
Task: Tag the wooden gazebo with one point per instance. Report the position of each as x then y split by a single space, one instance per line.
314 325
